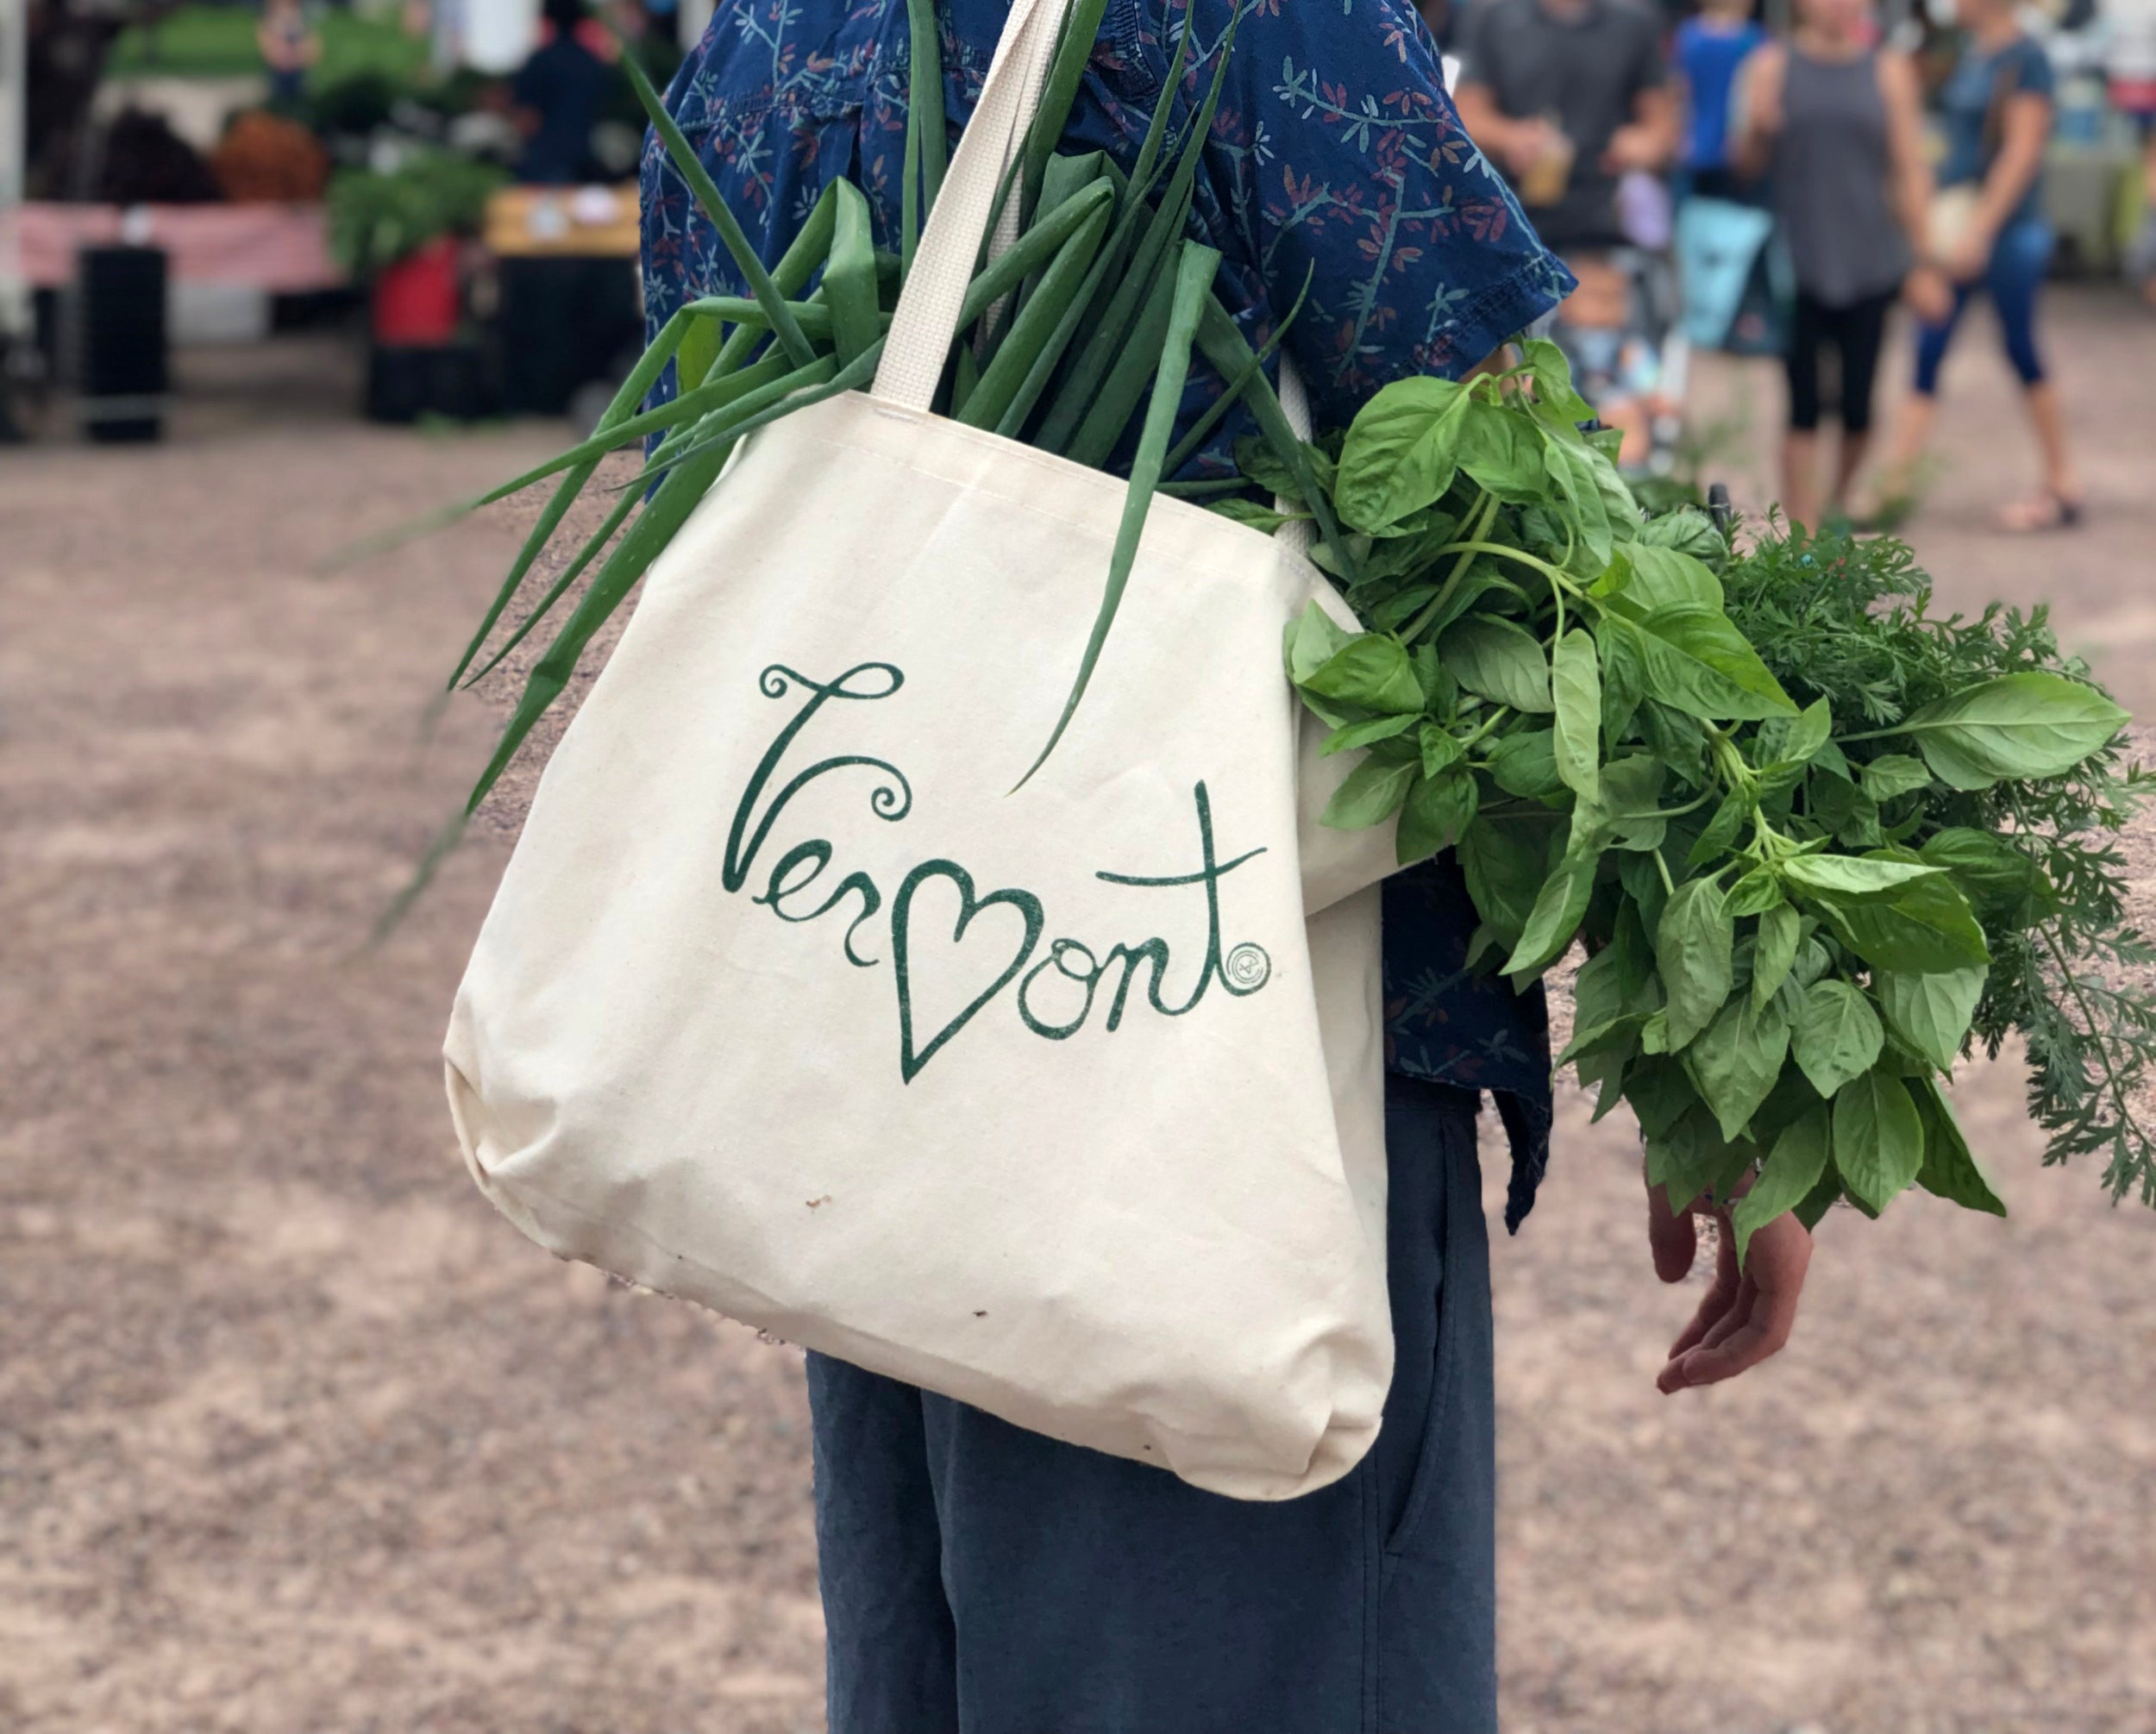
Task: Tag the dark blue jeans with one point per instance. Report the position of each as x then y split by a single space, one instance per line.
978 1579
2020 258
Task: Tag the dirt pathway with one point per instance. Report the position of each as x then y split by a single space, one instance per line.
295 1434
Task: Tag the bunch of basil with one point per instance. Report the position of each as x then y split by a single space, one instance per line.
1549 684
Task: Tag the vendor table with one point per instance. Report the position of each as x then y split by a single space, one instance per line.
570 308
283 249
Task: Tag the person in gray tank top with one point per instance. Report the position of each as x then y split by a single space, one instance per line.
1839 125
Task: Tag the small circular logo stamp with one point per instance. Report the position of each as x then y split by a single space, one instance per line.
1248 968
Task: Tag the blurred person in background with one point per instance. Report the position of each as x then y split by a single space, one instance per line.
1571 97
1568 96
1987 228
2130 68
289 48
1709 50
1839 126
559 94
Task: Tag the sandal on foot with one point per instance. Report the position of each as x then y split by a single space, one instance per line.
2049 511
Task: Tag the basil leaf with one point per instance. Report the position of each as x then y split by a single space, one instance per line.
1693 1159
1923 926
1821 1198
1792 1169
1797 740
1354 735
1688 530
1545 364
1557 913
1575 466
1896 773
1371 794
1503 863
1314 639
1836 1036
1525 765
1624 674
1372 670
1438 810
1440 749
1500 449
2019 726
1715 841
1931 1012
1737 1058
1847 879
1402 452
1496 659
1656 578
1950 1171
1986 864
1774 952
1755 893
1692 947
1879 1140
1698 663
1659 1093
1575 684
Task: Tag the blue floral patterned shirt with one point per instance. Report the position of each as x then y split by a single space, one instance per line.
1335 158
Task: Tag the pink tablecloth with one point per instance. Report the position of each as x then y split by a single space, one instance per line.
283 248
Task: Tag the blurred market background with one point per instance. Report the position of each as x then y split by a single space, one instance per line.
295 1435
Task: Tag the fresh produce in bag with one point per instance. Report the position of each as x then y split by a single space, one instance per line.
1816 840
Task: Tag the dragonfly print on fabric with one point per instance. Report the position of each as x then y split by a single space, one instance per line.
1336 160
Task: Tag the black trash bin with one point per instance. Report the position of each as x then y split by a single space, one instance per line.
121 351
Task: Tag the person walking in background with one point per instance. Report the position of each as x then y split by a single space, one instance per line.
1709 51
558 93
1568 96
2129 66
1839 124
1987 226
289 51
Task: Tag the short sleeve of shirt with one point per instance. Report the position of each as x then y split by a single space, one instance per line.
1646 72
1474 45
2033 73
1347 170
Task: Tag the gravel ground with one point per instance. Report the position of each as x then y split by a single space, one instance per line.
295 1434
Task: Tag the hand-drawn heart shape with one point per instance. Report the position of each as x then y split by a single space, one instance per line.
910 1063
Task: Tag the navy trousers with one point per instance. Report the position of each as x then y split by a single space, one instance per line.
978 1579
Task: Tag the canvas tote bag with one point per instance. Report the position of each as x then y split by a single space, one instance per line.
792 1003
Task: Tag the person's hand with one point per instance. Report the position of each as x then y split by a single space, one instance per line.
1526 142
1632 148
1970 255
1929 294
1745 1316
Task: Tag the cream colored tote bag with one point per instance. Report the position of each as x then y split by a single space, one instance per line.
790 1005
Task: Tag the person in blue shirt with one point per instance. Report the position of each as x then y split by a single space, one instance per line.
558 94
977 1577
1709 51
1990 232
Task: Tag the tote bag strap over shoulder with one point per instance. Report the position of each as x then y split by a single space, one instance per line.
926 318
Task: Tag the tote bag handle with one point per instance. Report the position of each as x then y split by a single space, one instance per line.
925 322
927 319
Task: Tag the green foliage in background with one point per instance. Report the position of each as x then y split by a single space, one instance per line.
378 217
218 43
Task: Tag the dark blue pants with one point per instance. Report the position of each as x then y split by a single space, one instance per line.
978 1579
2020 258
